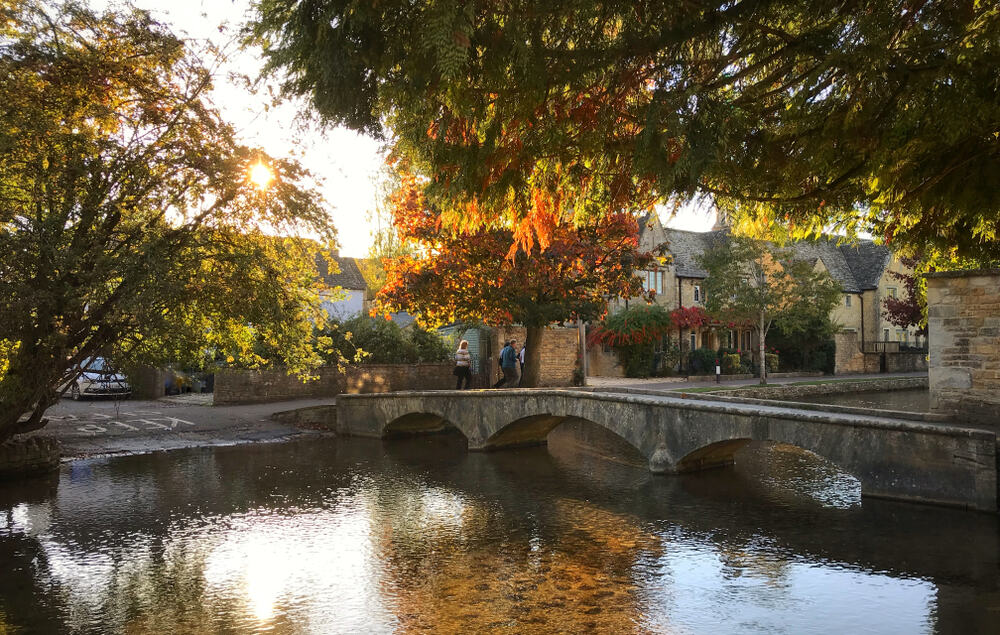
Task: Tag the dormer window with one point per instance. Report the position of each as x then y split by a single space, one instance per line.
847 299
699 296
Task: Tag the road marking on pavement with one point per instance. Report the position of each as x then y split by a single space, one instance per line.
149 424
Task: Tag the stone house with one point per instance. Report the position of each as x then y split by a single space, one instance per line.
862 269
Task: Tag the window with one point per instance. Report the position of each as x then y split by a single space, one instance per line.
706 340
885 335
694 340
847 299
730 339
899 335
746 340
698 295
891 292
653 280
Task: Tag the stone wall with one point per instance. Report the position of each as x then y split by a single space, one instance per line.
963 321
849 359
146 382
248 386
560 347
31 455
905 362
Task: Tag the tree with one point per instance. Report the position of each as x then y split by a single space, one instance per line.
877 116
128 225
911 309
467 277
386 242
756 283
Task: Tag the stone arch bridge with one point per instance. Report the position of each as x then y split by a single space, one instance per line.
892 458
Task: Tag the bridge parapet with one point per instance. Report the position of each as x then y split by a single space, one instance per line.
892 458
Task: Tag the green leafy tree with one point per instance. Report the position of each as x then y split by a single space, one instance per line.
877 116
756 283
128 225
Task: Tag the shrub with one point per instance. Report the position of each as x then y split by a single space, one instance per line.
702 361
731 363
772 362
368 340
633 333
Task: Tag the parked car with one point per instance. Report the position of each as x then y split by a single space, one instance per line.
98 378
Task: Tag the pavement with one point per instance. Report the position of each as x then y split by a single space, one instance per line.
110 426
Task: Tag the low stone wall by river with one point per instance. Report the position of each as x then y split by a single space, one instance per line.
20 456
249 386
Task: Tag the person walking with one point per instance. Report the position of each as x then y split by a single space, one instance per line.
508 364
463 366
520 357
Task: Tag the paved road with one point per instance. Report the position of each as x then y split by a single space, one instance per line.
104 426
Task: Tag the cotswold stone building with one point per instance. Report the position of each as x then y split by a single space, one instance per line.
862 269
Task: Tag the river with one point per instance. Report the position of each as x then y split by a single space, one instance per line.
330 535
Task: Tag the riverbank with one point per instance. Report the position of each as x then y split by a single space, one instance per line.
108 427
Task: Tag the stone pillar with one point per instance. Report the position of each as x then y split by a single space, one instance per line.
963 322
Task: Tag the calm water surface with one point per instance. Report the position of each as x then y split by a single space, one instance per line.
357 536
918 400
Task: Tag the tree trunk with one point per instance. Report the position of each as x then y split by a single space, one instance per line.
763 360
533 358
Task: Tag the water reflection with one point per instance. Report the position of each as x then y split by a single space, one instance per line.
420 536
910 400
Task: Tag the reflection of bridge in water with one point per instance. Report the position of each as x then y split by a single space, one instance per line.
892 458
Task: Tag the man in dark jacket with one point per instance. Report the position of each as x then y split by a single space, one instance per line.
508 364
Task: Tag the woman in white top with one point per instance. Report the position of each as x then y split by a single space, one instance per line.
463 365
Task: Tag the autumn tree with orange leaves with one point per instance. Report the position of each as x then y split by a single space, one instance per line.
454 276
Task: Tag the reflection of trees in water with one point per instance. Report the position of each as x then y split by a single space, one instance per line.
489 571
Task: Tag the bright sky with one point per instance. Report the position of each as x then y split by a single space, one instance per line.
347 163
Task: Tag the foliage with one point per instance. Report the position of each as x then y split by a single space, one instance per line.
804 352
454 277
909 308
668 358
376 340
128 227
386 241
702 361
690 317
638 324
755 283
875 116
632 333
731 363
772 362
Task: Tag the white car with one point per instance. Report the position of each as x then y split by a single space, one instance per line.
98 378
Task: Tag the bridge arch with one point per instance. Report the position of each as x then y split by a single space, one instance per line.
416 423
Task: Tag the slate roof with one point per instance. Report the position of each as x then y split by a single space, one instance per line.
686 246
855 267
349 277
868 261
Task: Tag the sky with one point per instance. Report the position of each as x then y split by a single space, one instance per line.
347 163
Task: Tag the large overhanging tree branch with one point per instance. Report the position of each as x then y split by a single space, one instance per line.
881 116
474 277
128 226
